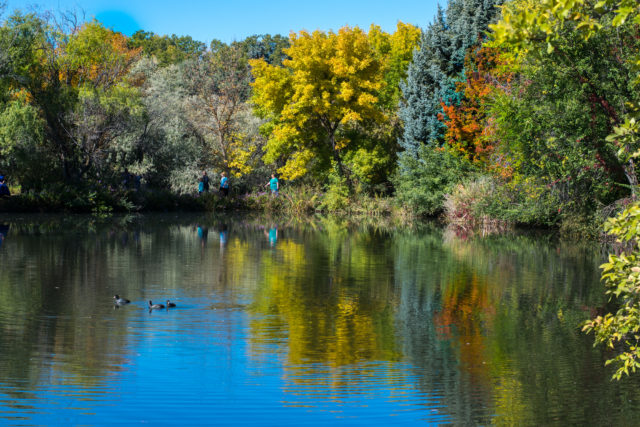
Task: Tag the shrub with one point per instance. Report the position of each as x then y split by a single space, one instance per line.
294 200
462 205
422 182
525 201
336 197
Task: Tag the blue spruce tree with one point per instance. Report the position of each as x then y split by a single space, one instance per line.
436 67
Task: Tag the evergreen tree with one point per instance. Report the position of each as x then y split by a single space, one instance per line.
422 89
431 79
437 65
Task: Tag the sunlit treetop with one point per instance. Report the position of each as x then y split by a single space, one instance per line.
96 56
527 21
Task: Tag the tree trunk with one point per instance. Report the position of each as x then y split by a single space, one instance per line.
630 173
336 157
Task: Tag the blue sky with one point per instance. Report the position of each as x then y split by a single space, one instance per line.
230 20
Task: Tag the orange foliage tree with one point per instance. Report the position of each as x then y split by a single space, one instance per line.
468 127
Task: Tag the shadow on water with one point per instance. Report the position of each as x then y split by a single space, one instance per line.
321 315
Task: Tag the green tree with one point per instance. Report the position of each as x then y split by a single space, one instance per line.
269 47
569 99
166 49
437 65
74 78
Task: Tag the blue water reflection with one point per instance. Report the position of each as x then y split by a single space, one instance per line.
312 323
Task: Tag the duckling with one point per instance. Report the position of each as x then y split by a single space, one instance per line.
152 305
120 301
170 304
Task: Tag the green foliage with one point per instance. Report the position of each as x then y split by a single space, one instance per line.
526 202
57 197
218 111
395 51
554 120
269 47
425 180
437 65
299 200
336 198
73 81
621 274
23 155
530 21
462 204
166 50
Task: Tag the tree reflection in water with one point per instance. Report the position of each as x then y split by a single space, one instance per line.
480 329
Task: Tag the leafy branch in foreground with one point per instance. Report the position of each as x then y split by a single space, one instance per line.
621 331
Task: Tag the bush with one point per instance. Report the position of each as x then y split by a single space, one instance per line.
462 205
336 197
422 183
526 202
64 198
295 201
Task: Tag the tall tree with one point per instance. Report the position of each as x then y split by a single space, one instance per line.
219 88
269 47
330 84
74 77
436 67
166 49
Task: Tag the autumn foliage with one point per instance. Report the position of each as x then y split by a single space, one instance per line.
468 128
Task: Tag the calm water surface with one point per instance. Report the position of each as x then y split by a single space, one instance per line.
286 323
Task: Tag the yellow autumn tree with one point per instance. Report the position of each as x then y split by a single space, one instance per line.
330 84
395 50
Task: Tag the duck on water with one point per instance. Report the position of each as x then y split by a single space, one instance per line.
154 306
120 301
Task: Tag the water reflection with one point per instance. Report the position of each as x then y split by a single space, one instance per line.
307 322
4 231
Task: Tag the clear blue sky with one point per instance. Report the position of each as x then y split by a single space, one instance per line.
230 20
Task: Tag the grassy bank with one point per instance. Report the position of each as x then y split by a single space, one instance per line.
474 207
301 200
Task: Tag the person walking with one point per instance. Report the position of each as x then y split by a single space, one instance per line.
224 184
274 184
205 182
200 186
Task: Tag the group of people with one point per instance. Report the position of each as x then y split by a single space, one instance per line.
203 184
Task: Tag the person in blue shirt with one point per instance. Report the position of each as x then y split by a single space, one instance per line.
200 186
224 184
224 235
272 235
274 184
4 188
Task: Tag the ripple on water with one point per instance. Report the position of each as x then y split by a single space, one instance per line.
326 325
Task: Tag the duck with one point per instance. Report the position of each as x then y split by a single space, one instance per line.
152 305
120 301
170 304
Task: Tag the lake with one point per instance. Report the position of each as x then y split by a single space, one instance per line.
282 322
